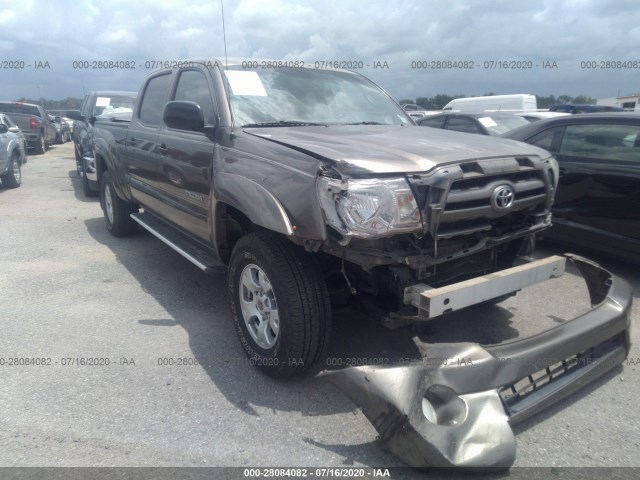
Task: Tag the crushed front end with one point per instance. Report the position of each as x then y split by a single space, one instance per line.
455 407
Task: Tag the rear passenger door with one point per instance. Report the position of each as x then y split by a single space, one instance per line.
143 161
186 157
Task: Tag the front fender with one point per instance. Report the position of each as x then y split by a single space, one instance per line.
252 199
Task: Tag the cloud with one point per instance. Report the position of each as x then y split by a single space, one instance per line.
399 33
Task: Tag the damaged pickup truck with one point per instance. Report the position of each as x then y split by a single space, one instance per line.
312 188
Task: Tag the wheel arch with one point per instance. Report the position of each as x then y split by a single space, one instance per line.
243 206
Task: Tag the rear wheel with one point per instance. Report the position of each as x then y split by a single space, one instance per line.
13 177
41 147
116 211
279 304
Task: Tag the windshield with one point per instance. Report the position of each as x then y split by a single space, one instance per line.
500 125
108 106
304 96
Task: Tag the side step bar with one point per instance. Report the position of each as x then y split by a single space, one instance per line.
433 302
181 243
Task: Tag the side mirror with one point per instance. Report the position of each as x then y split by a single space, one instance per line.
183 116
3 128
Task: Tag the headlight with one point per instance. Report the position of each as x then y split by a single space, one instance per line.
369 208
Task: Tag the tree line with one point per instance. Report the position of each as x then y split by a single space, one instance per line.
438 101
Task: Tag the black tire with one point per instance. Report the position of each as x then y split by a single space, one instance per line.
41 147
295 286
116 211
13 177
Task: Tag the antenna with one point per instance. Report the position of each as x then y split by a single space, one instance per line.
224 35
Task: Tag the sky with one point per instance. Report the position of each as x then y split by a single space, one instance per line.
411 48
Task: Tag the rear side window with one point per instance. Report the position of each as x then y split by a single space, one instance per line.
19 108
193 87
463 125
153 100
432 122
547 139
610 142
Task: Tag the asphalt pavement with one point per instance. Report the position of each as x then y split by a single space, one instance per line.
124 355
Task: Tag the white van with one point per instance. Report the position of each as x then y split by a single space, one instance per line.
496 103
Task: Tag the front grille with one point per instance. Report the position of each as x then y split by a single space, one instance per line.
519 392
460 200
475 193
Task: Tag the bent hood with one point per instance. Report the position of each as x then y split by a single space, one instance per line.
392 148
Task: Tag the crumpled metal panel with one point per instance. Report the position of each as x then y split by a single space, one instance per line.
445 410
470 430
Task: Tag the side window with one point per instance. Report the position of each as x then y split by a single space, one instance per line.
84 107
463 125
432 122
153 100
609 142
193 87
547 139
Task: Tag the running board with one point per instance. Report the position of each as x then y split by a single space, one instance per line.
181 243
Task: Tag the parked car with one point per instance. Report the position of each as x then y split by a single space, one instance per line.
65 115
12 156
482 123
415 111
598 199
96 104
13 128
584 108
34 122
535 116
62 128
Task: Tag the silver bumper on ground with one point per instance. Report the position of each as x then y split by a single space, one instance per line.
454 407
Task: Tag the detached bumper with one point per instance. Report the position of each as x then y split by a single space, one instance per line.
455 407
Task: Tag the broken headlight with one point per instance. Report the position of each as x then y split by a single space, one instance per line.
369 208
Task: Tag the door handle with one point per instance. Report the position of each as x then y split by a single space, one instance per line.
162 148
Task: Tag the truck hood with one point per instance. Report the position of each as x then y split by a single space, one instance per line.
391 148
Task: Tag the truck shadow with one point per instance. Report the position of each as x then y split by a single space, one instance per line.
78 191
198 303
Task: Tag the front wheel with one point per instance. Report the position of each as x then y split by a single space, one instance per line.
116 211
13 177
279 304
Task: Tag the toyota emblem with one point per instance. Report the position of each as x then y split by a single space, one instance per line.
502 198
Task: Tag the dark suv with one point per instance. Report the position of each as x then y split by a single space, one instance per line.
98 104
